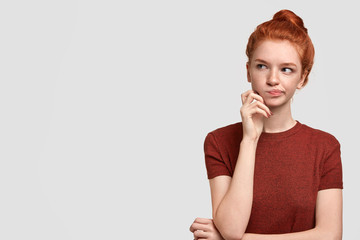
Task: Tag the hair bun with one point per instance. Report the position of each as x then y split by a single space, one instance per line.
289 16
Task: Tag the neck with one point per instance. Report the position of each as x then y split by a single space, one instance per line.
280 121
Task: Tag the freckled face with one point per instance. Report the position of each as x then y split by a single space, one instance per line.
275 72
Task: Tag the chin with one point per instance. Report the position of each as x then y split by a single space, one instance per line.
275 103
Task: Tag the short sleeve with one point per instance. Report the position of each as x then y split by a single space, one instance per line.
331 173
215 165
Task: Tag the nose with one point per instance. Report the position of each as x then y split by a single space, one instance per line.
273 78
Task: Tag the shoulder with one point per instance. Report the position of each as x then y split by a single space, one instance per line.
227 131
226 135
319 136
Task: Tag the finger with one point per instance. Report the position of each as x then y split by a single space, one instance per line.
201 234
258 97
248 110
263 107
252 93
203 220
200 226
253 111
192 228
245 95
253 96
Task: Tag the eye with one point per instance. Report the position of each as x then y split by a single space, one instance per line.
287 70
260 66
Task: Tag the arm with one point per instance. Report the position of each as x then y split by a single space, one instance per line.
232 197
328 221
204 228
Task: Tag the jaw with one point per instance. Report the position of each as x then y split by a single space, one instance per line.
278 104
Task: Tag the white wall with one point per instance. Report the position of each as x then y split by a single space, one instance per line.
104 107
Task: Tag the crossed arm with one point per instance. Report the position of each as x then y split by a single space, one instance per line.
232 197
328 219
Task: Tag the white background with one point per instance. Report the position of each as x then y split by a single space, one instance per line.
104 107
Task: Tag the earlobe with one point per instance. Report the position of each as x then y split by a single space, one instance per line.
301 83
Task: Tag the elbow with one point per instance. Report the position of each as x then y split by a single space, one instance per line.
334 237
337 236
331 235
228 232
233 236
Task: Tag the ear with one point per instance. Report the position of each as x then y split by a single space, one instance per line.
301 83
248 72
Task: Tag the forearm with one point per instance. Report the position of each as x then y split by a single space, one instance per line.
233 213
312 234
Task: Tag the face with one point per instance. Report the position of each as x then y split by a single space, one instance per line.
275 72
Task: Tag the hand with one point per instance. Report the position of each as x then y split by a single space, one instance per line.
246 236
252 114
204 228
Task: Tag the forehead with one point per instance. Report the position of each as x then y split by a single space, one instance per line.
277 51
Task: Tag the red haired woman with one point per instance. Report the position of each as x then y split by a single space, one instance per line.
272 177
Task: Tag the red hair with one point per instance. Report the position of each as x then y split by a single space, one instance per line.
285 25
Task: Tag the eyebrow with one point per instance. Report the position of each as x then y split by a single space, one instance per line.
285 64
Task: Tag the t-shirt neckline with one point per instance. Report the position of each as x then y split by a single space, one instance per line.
280 135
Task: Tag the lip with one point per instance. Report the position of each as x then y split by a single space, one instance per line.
275 92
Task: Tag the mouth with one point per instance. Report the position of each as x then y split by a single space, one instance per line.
275 92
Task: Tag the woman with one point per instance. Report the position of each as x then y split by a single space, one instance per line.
272 177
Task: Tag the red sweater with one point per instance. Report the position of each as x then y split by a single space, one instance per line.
290 168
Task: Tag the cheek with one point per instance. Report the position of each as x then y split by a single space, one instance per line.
257 88
290 88
256 82
259 76
254 86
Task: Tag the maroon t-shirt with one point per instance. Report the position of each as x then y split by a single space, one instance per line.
290 168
